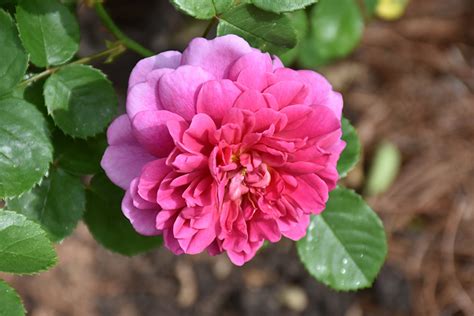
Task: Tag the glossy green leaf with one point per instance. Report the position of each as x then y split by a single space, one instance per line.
336 28
25 148
279 6
14 59
350 155
107 223
48 30
299 20
345 246
57 204
10 302
384 168
79 156
81 100
24 246
264 30
202 9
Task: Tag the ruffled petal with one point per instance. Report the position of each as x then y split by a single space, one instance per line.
169 59
250 70
178 90
124 158
142 220
216 98
151 131
216 55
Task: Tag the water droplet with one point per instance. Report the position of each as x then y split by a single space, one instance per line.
343 271
361 255
344 261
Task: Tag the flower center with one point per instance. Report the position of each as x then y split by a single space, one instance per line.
252 176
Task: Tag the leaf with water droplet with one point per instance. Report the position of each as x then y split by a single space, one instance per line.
10 302
348 239
25 147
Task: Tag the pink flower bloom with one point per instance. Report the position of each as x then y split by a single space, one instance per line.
222 148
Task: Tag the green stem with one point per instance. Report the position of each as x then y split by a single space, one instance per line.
209 27
114 50
113 28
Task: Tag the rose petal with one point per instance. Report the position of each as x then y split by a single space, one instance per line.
178 90
142 97
151 131
216 98
250 69
120 132
169 59
216 55
288 92
123 163
142 220
150 178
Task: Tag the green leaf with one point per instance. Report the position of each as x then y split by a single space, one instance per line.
202 9
384 169
81 100
264 30
370 6
107 223
345 246
279 6
299 20
14 59
25 148
351 154
24 246
57 204
48 30
79 156
336 28
10 302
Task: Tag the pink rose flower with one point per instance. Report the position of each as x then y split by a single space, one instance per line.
222 148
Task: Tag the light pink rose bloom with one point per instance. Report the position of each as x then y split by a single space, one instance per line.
222 148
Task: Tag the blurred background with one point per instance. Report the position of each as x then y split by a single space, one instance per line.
409 84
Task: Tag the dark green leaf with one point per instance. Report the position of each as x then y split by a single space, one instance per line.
57 204
264 30
279 6
25 148
10 302
345 246
3 2
107 223
299 20
350 155
335 30
14 59
81 100
79 156
370 6
202 9
48 30
24 246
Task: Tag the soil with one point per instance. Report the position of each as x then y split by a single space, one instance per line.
410 82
